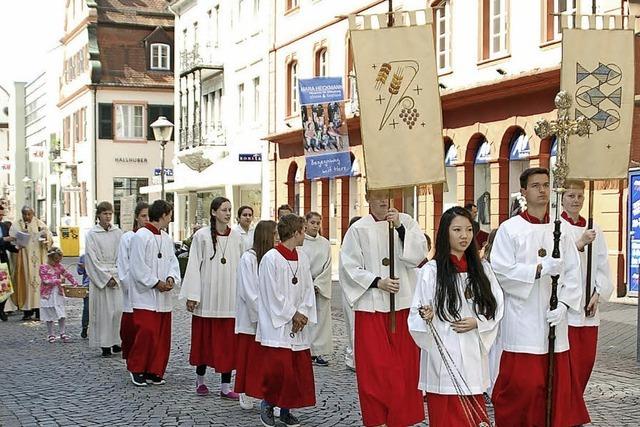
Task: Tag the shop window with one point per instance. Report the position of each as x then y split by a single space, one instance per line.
123 187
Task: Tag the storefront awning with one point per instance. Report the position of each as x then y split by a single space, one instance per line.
483 154
520 149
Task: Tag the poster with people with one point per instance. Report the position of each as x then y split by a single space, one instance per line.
324 127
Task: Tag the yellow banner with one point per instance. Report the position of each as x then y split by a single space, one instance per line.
598 72
400 112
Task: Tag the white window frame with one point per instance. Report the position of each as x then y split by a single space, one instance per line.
160 56
293 74
443 20
571 9
256 99
323 62
501 34
241 104
125 126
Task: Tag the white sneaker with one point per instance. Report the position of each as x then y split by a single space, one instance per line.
246 402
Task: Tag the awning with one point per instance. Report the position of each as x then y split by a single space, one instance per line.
520 148
483 154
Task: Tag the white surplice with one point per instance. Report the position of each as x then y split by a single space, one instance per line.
208 281
364 248
515 255
600 273
124 274
469 350
247 294
279 299
105 304
148 269
247 236
318 249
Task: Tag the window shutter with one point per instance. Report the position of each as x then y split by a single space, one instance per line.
155 111
83 199
105 114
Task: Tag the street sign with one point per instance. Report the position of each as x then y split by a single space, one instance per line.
250 157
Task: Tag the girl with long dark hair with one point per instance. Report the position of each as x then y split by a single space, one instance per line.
209 286
454 319
249 361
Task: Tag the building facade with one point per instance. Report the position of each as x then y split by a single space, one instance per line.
116 79
221 107
499 71
5 149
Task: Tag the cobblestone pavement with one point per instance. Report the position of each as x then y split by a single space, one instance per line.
71 385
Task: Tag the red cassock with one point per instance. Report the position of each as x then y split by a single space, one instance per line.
447 410
152 343
288 378
520 392
249 362
388 367
583 342
213 343
127 333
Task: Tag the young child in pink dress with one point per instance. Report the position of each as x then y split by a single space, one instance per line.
52 276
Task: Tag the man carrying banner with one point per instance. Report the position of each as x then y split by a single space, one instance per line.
521 259
388 362
583 324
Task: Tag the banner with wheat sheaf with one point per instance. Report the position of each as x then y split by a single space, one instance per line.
400 110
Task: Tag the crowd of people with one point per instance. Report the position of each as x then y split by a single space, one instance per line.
450 327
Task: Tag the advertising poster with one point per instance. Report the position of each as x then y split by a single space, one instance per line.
633 250
324 128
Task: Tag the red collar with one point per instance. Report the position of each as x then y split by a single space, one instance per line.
533 220
226 232
460 264
581 222
289 255
152 228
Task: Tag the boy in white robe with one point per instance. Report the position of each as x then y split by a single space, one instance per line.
105 293
521 259
347 310
286 304
318 250
127 331
583 324
154 274
391 396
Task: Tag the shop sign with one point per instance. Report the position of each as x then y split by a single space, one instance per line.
167 172
250 157
127 159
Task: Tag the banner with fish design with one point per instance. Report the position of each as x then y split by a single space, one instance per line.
400 112
598 72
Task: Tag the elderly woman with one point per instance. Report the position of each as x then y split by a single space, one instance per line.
33 239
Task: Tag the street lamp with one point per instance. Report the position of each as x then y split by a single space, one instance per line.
162 129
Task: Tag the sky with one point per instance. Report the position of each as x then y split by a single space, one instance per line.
28 30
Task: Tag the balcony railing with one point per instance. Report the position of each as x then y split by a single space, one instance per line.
202 135
197 56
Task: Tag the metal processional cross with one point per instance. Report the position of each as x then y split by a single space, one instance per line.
563 127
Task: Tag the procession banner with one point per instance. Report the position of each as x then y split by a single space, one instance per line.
324 128
598 72
400 112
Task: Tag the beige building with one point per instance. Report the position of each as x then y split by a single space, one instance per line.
499 68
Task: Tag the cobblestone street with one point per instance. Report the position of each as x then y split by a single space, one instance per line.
70 384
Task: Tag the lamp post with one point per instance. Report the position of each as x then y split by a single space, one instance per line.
162 129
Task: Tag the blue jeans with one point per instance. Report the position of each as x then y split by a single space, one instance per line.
85 312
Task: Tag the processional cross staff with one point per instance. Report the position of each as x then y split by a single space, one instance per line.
563 127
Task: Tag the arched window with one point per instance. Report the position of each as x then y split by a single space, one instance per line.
321 62
292 88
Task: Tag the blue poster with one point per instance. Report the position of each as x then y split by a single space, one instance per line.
633 233
325 136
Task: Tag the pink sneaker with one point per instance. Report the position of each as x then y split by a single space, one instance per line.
202 390
232 395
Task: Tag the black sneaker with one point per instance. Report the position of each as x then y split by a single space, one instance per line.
266 415
138 380
319 361
154 379
289 420
106 352
83 334
116 349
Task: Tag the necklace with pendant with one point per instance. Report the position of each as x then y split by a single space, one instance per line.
294 280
